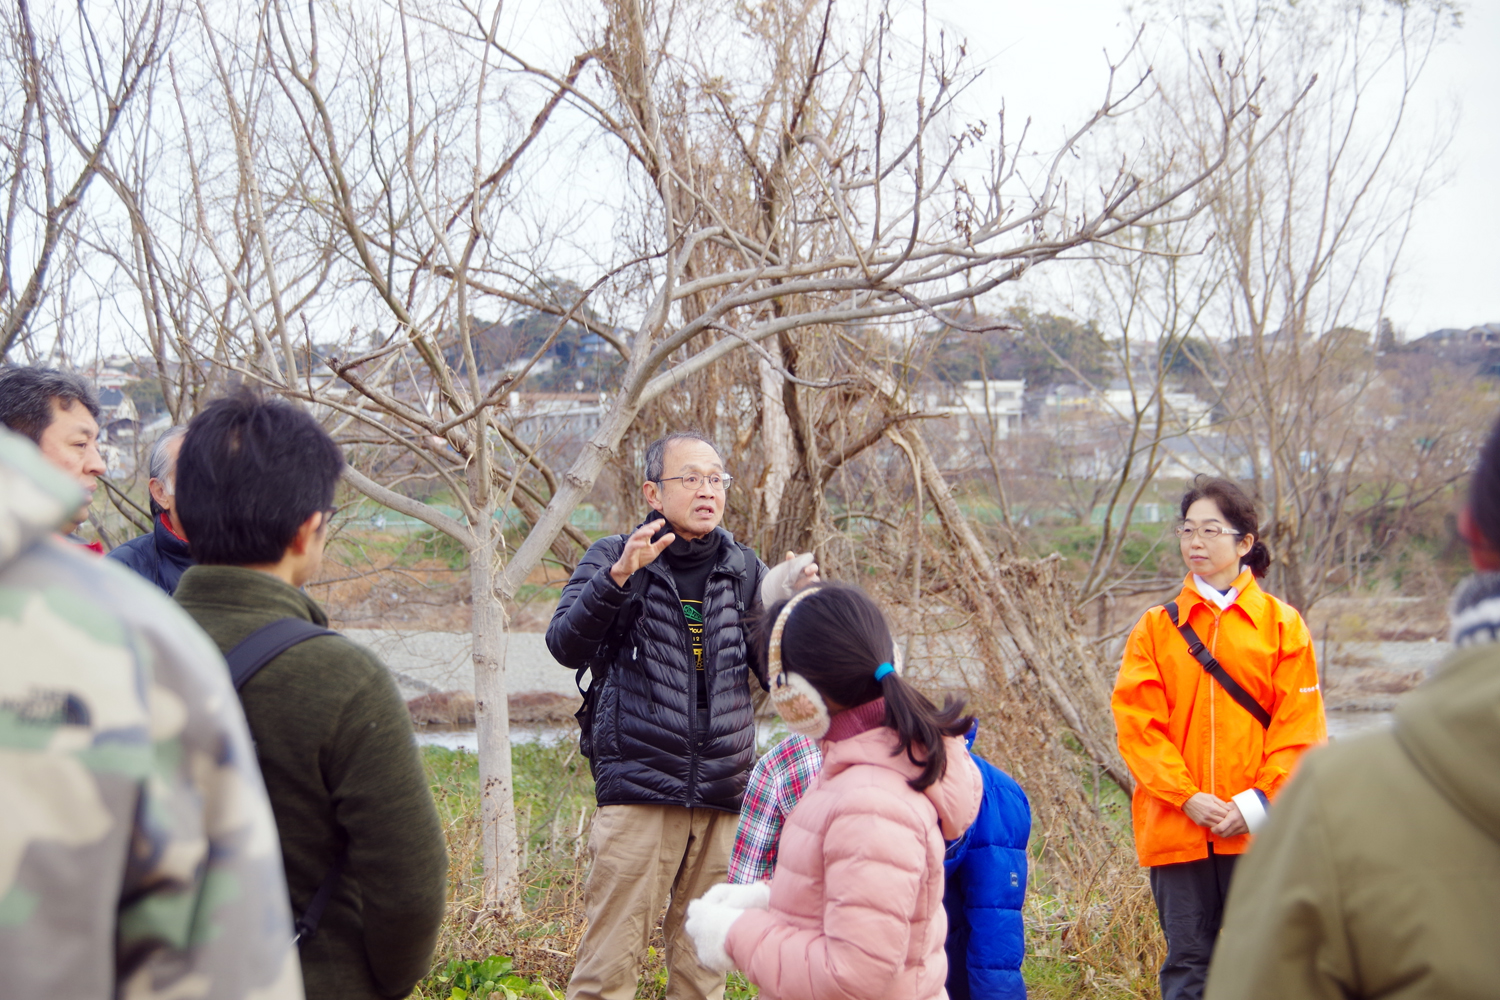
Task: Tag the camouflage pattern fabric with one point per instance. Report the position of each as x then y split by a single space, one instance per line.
138 855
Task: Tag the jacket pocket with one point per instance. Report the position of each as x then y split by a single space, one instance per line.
609 747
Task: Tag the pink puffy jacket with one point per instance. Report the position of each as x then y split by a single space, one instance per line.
857 897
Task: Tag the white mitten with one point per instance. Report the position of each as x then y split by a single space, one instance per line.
776 585
755 896
708 925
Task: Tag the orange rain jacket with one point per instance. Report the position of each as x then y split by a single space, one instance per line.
1181 733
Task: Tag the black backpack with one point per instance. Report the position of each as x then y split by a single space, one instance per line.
245 660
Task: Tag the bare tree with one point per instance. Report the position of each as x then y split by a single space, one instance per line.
335 201
69 81
1310 224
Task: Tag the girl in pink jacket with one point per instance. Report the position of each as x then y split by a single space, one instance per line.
854 908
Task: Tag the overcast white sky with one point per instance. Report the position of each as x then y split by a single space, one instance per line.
1045 60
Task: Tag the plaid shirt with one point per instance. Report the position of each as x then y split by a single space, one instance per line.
775 786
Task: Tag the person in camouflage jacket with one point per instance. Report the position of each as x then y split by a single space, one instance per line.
138 854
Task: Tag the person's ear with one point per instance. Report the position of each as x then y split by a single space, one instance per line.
306 533
159 493
652 492
1481 550
1247 542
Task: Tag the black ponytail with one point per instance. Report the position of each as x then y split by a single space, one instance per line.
1258 559
836 639
918 722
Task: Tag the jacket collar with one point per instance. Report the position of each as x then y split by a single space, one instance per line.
1475 610
856 720
235 588
731 560
956 795
1251 599
167 541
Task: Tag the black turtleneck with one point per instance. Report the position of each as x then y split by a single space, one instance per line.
690 561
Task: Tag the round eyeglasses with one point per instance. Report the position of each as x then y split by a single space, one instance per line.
717 483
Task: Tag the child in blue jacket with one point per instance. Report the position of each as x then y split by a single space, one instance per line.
986 886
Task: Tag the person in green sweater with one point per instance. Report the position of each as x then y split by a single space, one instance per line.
255 487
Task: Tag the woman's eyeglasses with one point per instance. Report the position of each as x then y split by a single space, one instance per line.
1208 532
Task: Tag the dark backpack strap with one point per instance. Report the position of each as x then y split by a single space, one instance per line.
598 667
307 924
746 592
245 660
1213 667
266 643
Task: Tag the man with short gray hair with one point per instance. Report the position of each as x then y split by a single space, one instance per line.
163 555
667 725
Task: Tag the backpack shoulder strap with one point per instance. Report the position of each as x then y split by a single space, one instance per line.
306 926
266 643
1213 667
745 593
245 660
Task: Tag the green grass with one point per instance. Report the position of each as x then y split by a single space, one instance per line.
1052 978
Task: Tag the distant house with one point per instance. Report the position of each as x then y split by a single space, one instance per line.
118 416
1484 335
996 404
556 418
1185 412
1476 345
1214 453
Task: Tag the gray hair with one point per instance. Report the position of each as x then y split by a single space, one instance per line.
26 396
656 452
159 463
159 460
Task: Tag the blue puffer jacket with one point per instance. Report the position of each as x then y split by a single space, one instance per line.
986 870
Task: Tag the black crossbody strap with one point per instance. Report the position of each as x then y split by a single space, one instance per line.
266 643
1216 669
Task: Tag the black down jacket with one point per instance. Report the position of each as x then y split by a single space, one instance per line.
646 749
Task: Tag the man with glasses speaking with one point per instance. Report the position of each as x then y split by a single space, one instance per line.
658 618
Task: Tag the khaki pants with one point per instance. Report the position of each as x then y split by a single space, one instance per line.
645 857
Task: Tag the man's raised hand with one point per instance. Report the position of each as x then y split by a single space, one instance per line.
805 574
640 551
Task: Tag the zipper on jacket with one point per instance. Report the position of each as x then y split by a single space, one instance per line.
1213 728
691 788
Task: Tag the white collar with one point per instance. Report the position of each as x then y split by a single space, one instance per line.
1211 593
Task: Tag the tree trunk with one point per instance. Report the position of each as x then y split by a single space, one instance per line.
492 720
793 529
776 444
1023 601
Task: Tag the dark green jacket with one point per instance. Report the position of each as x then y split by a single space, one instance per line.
1378 874
335 745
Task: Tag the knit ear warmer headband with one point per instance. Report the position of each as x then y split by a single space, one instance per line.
797 702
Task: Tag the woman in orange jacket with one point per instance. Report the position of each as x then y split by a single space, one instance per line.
1213 710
